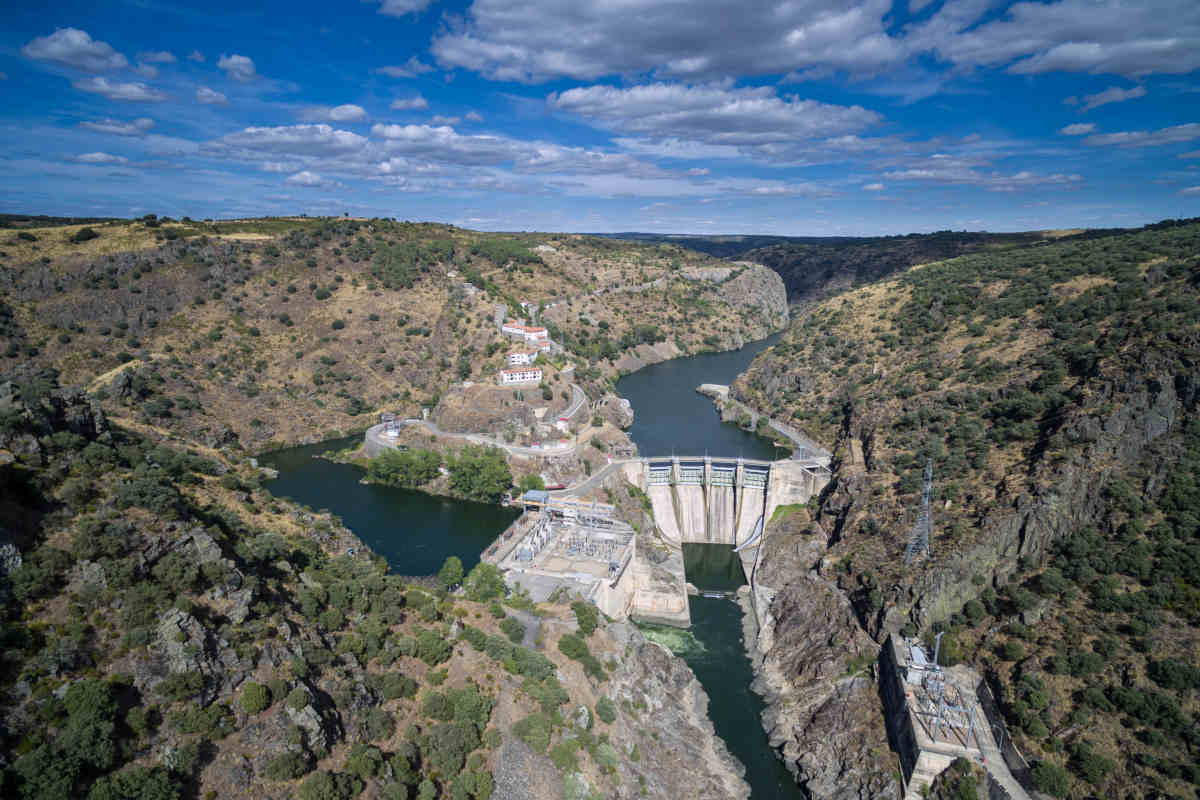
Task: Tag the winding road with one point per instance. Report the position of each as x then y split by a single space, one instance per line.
377 440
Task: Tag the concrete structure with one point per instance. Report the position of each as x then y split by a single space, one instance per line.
520 375
569 544
522 358
934 715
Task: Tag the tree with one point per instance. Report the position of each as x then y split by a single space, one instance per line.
484 583
451 573
531 482
480 473
606 710
1051 779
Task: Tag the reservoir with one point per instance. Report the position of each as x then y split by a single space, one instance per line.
416 532
671 418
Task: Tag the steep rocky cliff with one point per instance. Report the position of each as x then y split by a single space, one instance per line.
1054 392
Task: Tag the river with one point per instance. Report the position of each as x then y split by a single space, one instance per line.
416 532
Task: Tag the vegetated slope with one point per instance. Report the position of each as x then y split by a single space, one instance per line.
293 330
172 630
1055 391
814 267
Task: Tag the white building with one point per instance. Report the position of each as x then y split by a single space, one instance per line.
533 334
522 358
520 375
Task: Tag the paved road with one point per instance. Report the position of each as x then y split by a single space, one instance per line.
376 437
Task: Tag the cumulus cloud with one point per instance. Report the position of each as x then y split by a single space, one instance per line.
146 70
157 57
100 158
474 116
1078 129
417 103
343 113
1114 94
441 119
952 169
134 92
538 40
1190 190
874 187
116 127
196 56
1171 135
713 114
409 69
210 97
306 178
400 8
72 47
240 68
300 140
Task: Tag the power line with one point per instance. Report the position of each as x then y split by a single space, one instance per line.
918 541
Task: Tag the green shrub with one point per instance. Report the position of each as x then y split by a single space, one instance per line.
587 615
330 786
606 710
287 767
534 731
256 698
513 629
1051 779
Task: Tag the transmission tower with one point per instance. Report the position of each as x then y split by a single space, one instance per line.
918 541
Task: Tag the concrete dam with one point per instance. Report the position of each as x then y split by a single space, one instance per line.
710 500
723 501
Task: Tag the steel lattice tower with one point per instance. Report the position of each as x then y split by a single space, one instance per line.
918 541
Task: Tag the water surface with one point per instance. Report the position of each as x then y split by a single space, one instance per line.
671 418
415 531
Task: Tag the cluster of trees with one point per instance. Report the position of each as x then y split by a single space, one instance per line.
476 472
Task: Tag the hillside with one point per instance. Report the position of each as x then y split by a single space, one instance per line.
172 630
815 267
278 331
1054 390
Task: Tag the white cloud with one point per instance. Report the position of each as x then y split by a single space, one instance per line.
712 114
538 40
1078 129
74 48
196 56
343 113
1171 135
699 172
400 8
440 119
417 103
157 57
131 92
964 171
210 97
116 127
240 68
300 140
874 187
278 166
146 70
1190 190
1190 154
410 69
306 178
1114 94
474 116
100 158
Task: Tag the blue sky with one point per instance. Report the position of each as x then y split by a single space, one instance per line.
804 117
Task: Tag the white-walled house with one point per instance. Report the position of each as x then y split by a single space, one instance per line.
532 334
520 375
523 358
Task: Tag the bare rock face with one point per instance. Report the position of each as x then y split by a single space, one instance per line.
759 288
823 710
673 706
